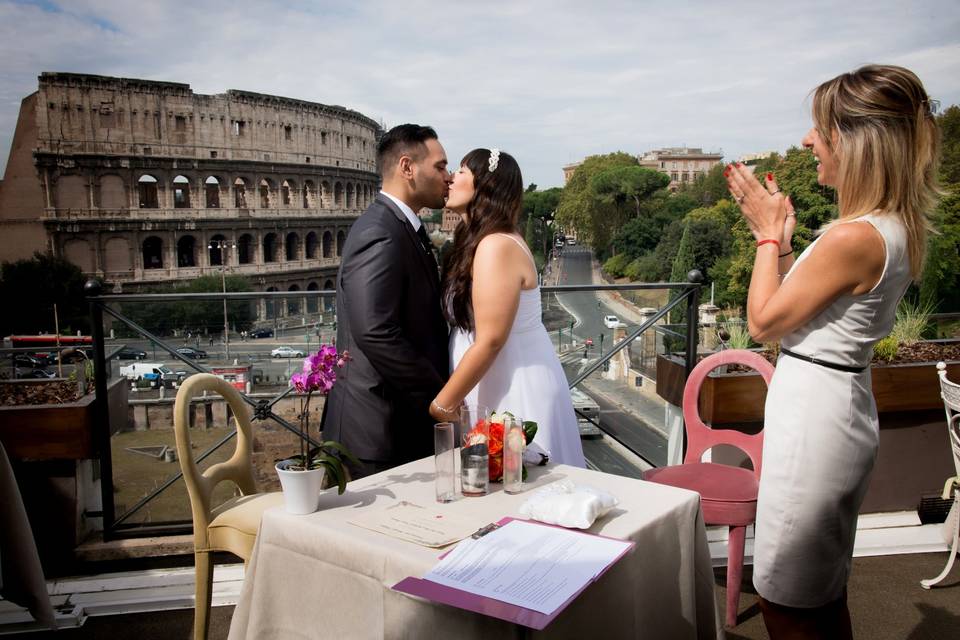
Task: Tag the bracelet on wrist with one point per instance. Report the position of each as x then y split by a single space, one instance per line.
436 405
760 243
786 253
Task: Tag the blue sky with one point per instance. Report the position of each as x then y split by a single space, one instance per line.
550 82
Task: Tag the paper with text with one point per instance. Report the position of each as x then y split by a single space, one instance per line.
526 564
424 526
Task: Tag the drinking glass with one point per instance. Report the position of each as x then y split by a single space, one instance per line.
443 458
513 444
474 451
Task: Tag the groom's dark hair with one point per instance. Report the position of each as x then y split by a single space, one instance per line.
403 140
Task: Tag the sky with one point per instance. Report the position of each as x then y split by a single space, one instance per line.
549 82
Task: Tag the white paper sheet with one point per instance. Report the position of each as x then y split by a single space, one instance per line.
526 564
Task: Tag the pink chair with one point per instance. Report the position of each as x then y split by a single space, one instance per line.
728 495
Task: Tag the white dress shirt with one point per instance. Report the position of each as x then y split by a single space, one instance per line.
407 211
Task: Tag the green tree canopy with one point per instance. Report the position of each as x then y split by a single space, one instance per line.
580 210
33 286
627 186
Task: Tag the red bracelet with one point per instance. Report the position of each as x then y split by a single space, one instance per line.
769 241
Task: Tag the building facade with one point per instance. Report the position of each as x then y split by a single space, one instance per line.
682 164
142 182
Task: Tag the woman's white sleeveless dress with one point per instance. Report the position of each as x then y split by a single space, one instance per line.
821 436
527 380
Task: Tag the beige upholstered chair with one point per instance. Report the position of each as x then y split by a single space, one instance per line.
950 392
233 525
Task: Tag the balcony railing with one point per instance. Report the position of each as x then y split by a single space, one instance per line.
141 486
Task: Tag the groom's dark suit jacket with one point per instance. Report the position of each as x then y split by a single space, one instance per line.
389 319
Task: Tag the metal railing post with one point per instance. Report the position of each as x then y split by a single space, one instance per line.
693 310
101 410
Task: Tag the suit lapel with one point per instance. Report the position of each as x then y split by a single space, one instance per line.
426 260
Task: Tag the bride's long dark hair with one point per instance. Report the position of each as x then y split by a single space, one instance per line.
495 208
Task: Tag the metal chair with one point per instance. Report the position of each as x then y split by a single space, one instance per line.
233 525
728 495
950 392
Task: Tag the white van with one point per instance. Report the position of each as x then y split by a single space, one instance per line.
149 371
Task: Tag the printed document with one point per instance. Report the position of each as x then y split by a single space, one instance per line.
411 522
530 565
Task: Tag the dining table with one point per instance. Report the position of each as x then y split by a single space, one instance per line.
322 576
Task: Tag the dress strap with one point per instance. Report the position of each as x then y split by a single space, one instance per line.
523 245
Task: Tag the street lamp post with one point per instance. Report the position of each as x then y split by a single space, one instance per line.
221 245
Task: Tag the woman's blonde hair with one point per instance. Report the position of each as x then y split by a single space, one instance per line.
879 121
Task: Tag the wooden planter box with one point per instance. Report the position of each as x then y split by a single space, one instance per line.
59 431
727 398
914 457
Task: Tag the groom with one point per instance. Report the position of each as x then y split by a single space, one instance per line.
388 310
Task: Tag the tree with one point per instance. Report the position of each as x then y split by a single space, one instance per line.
707 188
619 186
580 210
949 123
34 285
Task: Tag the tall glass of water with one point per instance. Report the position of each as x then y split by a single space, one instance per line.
514 441
474 450
443 457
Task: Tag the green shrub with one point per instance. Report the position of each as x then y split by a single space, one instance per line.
616 265
739 336
886 349
912 321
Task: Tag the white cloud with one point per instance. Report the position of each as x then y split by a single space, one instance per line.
549 81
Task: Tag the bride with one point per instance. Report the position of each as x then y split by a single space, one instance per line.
501 355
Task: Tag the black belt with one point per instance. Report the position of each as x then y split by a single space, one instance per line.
828 365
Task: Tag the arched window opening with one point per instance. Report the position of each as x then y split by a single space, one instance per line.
211 187
181 192
153 253
270 247
292 247
240 193
186 252
217 250
147 187
245 249
341 238
308 192
337 194
313 302
265 190
285 193
349 203
327 244
271 304
293 304
311 245
328 301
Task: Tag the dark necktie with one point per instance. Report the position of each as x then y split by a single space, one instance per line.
425 240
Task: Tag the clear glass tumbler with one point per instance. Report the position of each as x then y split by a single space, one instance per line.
443 458
513 443
474 451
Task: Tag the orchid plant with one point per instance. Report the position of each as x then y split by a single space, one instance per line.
318 375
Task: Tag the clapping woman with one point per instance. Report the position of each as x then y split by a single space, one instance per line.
876 142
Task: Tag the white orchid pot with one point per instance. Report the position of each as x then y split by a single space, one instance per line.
301 489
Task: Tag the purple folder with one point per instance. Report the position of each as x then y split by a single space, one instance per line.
488 606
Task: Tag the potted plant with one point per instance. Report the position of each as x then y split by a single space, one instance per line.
302 476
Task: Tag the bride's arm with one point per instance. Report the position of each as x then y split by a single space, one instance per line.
497 280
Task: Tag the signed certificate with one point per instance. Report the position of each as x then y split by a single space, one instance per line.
527 564
411 522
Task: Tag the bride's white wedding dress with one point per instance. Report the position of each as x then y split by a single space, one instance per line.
527 380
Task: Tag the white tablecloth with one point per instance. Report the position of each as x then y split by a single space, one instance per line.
317 576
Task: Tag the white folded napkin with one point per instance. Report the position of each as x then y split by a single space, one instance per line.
568 505
534 454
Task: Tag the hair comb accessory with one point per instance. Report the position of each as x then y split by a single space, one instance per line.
494 160
933 106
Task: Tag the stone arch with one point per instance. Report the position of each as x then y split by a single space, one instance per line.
293 304
152 249
311 243
292 246
72 192
328 301
271 304
113 195
79 252
116 255
308 194
266 190
217 250
288 189
187 251
147 192
245 249
327 244
313 302
270 247
348 196
325 193
211 191
240 186
337 194
181 192
341 238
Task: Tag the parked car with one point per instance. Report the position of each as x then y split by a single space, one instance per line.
34 373
193 354
286 352
611 322
261 333
129 353
588 342
27 361
152 371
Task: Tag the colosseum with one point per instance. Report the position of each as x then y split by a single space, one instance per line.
142 182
